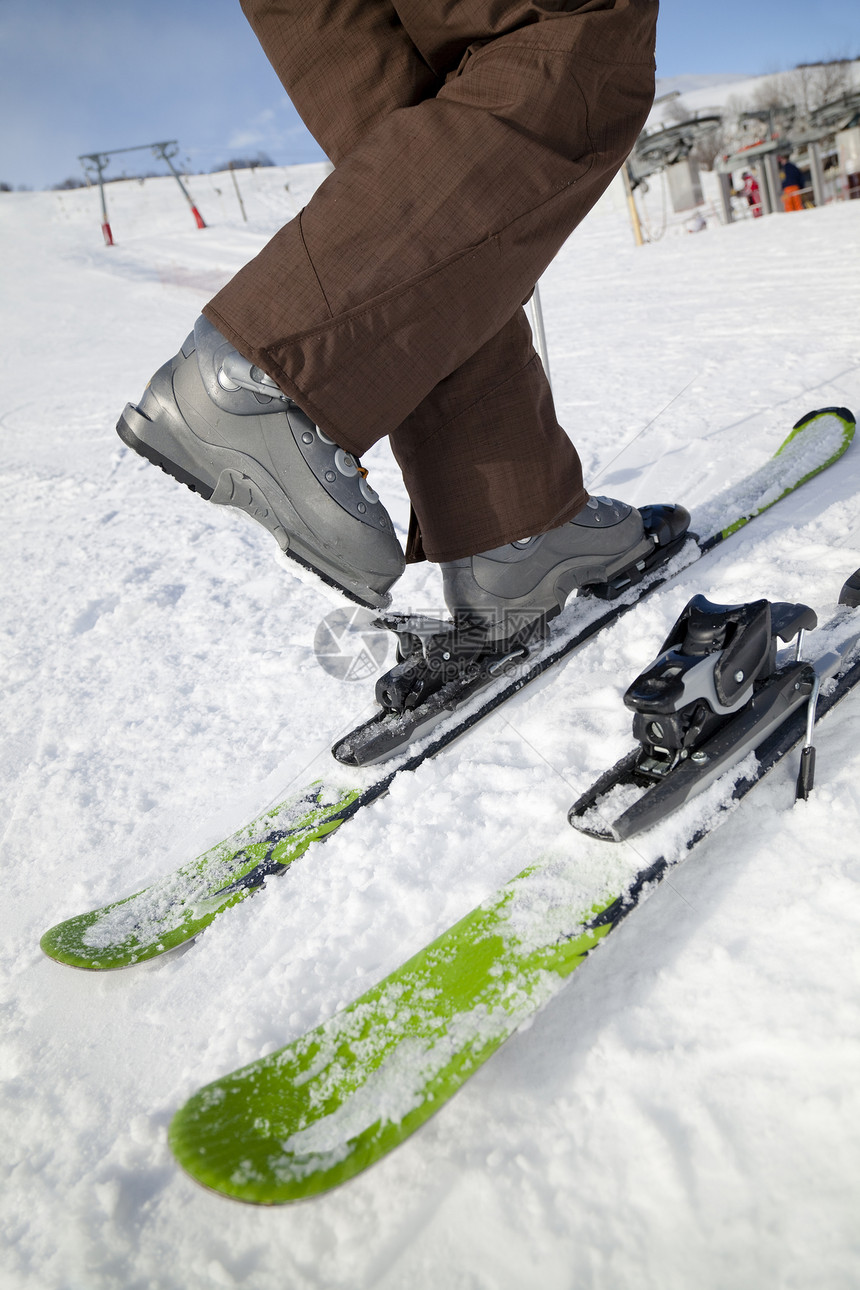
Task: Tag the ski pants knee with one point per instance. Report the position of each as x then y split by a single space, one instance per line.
469 138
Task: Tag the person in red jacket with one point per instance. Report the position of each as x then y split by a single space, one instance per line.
752 192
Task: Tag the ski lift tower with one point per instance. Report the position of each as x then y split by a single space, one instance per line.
840 118
668 147
96 163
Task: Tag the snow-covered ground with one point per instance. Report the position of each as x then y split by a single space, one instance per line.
687 1112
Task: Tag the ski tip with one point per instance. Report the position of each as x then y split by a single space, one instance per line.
65 944
837 437
844 414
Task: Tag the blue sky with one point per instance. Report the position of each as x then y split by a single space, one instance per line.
81 75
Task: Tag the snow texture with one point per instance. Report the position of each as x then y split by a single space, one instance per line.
687 1111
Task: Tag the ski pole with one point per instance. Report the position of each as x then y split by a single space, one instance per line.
538 331
806 773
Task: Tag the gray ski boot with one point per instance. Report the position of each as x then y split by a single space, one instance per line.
217 423
513 590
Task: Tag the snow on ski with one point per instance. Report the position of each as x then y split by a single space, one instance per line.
312 1115
177 907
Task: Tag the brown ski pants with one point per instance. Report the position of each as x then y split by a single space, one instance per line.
469 138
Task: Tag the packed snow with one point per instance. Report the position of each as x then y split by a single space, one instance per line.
686 1112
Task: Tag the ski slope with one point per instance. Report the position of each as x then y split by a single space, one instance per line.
687 1112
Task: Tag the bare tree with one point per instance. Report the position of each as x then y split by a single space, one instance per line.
773 108
804 88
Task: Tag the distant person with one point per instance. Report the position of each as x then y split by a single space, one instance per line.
791 178
852 177
468 141
752 192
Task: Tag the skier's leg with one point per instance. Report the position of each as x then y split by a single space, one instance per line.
345 64
218 424
395 338
509 467
433 229
483 456
409 264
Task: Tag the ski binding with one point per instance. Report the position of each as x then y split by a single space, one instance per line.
441 665
715 692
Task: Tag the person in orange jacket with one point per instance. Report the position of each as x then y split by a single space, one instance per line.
791 179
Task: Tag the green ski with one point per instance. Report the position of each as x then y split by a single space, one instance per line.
177 907
336 1100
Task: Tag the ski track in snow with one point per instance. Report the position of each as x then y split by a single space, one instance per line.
686 1112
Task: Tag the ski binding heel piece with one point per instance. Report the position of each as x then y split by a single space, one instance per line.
668 527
